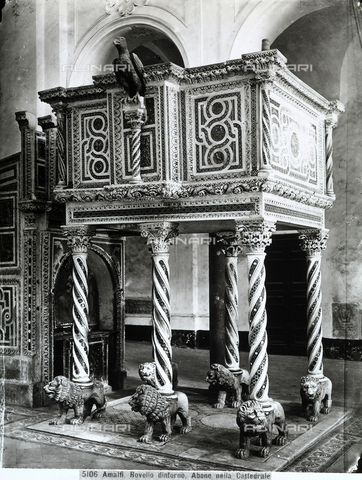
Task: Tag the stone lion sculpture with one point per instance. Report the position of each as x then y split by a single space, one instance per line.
70 396
156 407
316 396
254 421
147 373
229 386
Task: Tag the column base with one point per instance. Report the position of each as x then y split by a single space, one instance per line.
84 384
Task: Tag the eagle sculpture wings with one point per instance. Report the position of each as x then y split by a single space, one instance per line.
128 69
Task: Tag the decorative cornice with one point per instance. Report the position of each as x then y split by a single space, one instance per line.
26 119
313 241
60 96
48 121
174 190
34 206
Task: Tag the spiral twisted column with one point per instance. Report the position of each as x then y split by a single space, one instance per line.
60 147
136 118
313 242
266 125
231 248
160 236
331 120
255 236
78 242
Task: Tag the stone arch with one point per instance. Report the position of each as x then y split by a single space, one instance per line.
95 53
258 22
107 283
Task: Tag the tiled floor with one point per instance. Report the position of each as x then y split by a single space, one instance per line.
342 447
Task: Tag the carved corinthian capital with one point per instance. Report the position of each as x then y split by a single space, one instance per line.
230 242
313 241
255 235
78 238
159 235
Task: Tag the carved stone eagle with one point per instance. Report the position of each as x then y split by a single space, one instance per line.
128 69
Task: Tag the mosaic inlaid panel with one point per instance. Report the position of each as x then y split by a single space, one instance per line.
9 319
215 141
296 148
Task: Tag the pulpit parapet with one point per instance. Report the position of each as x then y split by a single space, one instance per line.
236 139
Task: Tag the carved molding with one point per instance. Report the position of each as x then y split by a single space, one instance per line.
313 241
175 190
123 7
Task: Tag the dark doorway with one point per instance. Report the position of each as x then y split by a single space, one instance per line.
286 287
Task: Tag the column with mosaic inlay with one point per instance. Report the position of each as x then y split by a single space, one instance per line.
231 248
61 146
313 242
264 85
335 108
136 118
78 242
160 236
255 236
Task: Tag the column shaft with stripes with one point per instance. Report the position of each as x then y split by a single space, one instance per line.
231 249
78 242
255 236
60 146
313 242
159 237
266 125
335 108
136 118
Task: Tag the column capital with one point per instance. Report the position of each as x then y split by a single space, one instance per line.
159 235
255 234
231 245
47 122
78 238
26 120
313 241
136 116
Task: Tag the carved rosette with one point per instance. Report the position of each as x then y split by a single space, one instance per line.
78 241
256 235
313 242
231 248
136 118
160 237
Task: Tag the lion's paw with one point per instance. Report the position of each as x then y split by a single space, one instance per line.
242 453
57 421
280 440
235 404
265 452
185 430
144 439
219 405
76 421
259 441
164 437
325 410
312 418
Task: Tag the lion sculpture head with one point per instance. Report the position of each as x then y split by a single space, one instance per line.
62 390
310 387
221 376
147 373
251 413
149 402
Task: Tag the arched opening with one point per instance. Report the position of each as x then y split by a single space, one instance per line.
102 319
